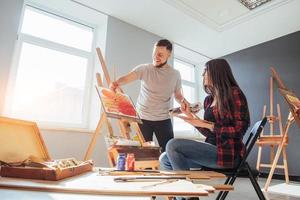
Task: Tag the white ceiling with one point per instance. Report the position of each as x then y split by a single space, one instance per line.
220 14
211 27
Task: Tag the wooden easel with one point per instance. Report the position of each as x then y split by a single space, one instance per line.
283 140
125 127
272 139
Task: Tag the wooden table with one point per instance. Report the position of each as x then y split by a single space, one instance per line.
13 194
93 183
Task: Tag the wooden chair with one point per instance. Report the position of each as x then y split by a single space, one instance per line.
233 173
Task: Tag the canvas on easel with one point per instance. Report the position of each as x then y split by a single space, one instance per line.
293 102
117 105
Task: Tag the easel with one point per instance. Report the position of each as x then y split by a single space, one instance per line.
281 147
124 126
272 140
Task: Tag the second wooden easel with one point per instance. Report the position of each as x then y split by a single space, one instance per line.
282 142
272 139
125 127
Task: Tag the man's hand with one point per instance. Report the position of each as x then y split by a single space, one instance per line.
123 80
113 86
185 106
186 113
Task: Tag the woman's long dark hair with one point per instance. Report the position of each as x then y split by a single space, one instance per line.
220 76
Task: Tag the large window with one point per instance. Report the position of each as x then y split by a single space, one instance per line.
51 80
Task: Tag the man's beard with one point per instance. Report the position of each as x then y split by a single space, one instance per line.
160 66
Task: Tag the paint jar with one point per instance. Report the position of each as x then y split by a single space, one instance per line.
121 161
130 160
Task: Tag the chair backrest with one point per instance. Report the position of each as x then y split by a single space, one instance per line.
253 136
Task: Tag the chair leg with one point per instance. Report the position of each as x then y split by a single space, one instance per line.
225 193
221 192
229 181
255 184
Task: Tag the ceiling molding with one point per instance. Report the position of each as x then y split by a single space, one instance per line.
213 24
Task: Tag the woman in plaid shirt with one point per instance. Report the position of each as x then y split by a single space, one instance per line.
226 120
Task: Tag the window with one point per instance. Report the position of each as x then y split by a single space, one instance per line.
51 80
189 86
190 64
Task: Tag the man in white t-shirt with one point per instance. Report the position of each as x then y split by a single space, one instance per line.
159 82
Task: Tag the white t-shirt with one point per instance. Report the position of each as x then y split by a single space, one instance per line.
157 88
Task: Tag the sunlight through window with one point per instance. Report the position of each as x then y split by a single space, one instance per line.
50 84
55 29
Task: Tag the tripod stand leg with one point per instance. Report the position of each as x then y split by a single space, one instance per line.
93 141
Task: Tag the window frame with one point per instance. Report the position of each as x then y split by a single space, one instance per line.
195 85
25 38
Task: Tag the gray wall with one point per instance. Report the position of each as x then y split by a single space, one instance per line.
10 12
251 69
126 47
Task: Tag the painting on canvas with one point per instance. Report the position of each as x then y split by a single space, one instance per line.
117 105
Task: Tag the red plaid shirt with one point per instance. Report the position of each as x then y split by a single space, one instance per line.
229 132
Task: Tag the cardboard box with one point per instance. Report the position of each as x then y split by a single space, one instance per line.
21 139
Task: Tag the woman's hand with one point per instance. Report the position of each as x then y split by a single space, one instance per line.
195 121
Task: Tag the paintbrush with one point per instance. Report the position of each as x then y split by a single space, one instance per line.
147 178
160 183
